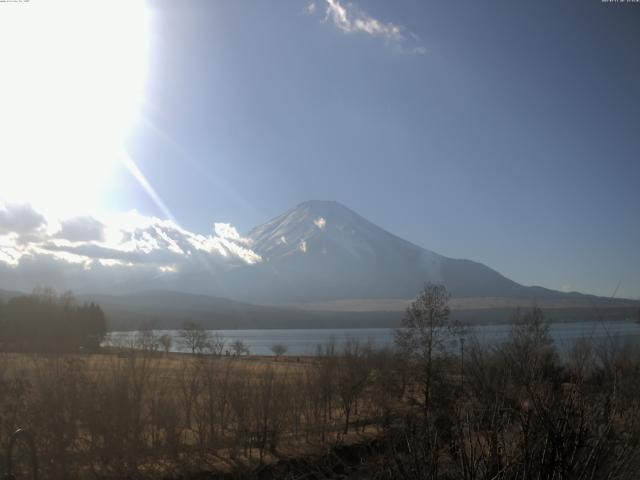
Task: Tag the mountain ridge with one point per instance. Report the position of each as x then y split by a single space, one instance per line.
167 309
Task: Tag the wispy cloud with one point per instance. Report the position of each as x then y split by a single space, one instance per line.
351 22
310 9
350 19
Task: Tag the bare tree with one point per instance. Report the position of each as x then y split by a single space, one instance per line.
279 349
239 347
352 375
194 337
423 333
216 344
146 338
166 341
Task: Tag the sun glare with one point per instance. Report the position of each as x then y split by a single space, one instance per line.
73 76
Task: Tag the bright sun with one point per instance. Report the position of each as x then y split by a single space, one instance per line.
71 85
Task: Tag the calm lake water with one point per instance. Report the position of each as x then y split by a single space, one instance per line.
305 341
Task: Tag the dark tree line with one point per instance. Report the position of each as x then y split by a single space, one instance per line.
44 321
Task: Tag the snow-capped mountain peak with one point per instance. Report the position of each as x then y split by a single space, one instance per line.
322 228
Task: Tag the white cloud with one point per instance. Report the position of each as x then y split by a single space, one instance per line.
79 229
339 15
374 27
123 248
350 19
320 222
226 230
310 9
20 219
303 246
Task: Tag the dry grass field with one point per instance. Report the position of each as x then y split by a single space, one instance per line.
145 414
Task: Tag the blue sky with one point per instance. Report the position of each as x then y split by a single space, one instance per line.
504 132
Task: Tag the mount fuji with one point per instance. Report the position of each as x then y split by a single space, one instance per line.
321 251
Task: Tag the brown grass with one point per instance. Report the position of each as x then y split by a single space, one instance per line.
140 414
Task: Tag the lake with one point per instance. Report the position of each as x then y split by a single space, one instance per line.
304 341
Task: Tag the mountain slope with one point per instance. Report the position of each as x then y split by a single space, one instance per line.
321 250
170 309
